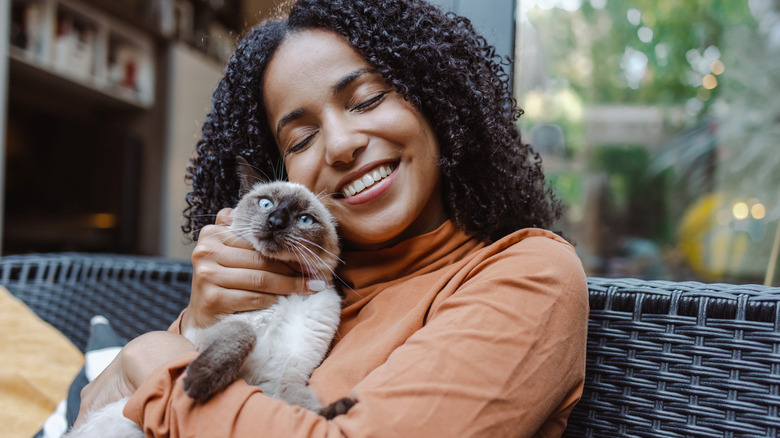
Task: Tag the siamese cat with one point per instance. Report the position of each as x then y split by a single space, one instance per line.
275 348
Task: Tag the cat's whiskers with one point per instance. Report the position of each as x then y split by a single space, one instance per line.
207 215
307 264
332 271
322 195
240 232
326 265
261 172
314 263
309 242
304 262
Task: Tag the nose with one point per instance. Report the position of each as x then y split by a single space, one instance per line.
279 218
343 140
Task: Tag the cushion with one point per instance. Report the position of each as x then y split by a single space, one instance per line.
103 345
39 364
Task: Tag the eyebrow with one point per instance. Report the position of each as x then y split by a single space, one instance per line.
338 87
348 79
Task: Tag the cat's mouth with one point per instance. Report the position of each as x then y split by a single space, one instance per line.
366 180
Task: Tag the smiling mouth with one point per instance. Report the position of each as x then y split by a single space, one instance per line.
369 179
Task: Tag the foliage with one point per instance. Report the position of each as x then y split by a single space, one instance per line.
637 196
713 66
602 55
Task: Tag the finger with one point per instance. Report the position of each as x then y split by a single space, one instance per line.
236 253
236 301
109 386
250 280
224 217
223 235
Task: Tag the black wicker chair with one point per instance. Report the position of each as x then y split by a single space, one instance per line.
137 294
665 359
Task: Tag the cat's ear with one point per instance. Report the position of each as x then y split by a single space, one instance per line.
248 175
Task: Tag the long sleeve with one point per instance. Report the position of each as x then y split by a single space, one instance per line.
492 346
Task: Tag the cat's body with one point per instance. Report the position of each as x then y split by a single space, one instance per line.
285 222
275 348
292 337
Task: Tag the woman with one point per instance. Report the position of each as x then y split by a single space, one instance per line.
463 315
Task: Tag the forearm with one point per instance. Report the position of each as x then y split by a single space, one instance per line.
467 373
164 409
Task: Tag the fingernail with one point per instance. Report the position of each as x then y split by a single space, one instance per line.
316 285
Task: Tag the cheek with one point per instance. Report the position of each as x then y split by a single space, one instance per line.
303 169
411 128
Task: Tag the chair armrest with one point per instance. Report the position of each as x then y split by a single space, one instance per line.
680 359
136 293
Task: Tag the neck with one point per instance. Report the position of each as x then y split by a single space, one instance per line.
423 225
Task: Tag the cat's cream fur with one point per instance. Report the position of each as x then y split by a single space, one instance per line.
275 348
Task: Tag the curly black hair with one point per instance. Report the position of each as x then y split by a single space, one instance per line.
492 182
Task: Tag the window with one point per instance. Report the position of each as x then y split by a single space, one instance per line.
659 124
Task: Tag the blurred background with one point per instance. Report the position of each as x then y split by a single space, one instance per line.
658 122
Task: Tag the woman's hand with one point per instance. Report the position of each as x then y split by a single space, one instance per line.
130 368
229 276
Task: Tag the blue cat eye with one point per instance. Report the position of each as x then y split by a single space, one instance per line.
265 203
305 219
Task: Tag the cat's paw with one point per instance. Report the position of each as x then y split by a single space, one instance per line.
339 407
219 363
198 385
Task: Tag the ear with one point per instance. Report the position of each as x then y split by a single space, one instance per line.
248 175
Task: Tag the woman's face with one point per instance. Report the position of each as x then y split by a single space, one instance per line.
343 131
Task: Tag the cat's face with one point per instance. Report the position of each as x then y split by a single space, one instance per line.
286 222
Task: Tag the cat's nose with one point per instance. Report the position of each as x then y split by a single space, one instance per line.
278 219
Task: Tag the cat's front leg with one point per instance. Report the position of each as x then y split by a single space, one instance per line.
219 364
339 407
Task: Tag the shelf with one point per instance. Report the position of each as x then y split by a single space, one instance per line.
65 40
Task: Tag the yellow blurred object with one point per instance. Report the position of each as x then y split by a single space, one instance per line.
104 220
709 81
717 67
694 227
758 211
39 364
711 240
740 210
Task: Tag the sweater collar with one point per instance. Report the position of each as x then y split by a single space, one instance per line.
418 255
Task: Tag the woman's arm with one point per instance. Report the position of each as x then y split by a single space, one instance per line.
229 276
502 356
130 368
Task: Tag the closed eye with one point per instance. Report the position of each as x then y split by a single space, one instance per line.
302 144
370 102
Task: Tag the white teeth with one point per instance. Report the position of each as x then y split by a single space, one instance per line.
367 180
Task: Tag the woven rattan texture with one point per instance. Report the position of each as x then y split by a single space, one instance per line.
137 294
683 359
664 359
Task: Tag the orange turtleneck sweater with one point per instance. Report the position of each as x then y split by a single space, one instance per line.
441 335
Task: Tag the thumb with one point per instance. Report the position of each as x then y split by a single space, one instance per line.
225 217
